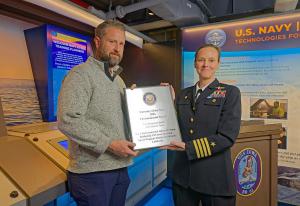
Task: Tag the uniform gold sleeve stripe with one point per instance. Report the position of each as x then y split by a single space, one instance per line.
204 147
200 148
196 148
207 146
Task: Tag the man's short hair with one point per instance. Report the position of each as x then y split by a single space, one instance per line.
218 49
101 28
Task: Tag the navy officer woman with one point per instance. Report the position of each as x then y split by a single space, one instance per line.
209 115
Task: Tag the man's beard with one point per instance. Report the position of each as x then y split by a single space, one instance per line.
113 59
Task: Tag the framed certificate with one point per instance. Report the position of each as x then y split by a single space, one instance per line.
152 116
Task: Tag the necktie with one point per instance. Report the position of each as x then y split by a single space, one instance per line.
197 94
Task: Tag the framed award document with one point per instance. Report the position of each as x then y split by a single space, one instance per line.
152 116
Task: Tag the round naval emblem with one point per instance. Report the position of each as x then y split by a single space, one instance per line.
216 37
149 98
247 171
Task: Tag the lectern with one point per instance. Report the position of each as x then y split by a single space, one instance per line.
254 157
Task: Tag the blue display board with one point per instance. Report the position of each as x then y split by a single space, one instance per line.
53 53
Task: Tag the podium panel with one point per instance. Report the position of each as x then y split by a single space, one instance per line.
254 157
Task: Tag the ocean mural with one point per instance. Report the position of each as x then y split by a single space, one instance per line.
19 101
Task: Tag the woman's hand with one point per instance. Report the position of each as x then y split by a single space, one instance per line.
171 88
175 145
133 86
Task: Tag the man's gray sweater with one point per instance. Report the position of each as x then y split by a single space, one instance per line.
91 114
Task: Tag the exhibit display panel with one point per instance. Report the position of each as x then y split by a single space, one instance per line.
34 128
40 179
53 52
9 193
147 172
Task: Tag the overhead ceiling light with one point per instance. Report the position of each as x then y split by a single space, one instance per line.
78 14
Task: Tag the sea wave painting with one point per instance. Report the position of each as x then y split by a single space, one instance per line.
19 101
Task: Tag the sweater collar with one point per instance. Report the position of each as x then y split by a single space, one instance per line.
104 66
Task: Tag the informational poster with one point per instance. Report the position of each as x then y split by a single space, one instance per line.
67 50
262 58
53 52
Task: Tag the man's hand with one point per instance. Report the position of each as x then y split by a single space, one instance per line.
171 88
122 148
175 145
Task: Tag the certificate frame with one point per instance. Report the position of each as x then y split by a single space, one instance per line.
151 116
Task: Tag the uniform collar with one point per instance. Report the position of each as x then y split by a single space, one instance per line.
214 84
211 85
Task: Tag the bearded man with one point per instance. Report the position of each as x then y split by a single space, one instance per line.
91 115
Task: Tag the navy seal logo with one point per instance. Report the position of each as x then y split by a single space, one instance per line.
149 98
216 37
247 171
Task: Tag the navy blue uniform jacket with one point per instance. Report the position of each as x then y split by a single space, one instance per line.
209 127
